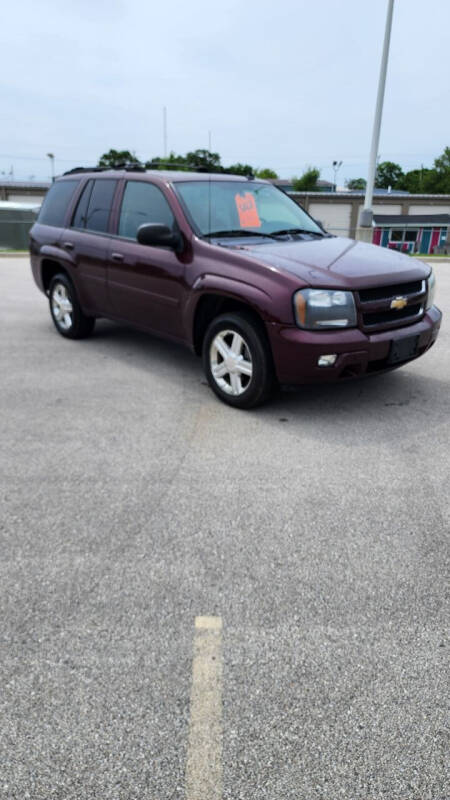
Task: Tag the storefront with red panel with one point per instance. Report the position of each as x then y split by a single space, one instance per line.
411 233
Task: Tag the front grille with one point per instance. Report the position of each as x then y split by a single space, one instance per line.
391 316
388 292
374 305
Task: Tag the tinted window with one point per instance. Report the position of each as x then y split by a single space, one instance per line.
79 218
410 236
56 203
143 202
99 209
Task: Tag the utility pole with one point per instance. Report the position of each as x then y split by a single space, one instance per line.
52 165
366 215
209 141
165 131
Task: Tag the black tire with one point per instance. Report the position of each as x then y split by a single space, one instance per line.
62 290
254 389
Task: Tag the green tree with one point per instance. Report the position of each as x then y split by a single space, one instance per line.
114 157
195 159
356 183
268 174
442 164
172 162
418 181
428 181
205 159
442 168
308 181
240 169
388 174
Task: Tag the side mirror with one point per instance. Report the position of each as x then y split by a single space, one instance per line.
320 224
156 234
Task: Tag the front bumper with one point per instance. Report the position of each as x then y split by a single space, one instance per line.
296 351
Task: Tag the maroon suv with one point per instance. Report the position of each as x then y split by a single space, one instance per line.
233 268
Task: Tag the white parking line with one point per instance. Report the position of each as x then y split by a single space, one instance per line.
204 756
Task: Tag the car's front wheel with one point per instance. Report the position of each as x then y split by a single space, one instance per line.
237 360
66 312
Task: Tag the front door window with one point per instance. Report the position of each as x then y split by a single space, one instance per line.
143 203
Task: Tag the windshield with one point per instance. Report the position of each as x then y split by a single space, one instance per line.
218 207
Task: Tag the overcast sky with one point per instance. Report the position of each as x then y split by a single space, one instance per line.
282 84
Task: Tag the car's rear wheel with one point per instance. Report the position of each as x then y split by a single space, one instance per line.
66 312
237 360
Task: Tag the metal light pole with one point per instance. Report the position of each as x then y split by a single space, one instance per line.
165 131
336 167
366 215
52 165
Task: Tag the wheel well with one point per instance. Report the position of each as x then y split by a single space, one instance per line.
49 268
210 306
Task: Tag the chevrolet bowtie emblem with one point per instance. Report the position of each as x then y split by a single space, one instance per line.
398 303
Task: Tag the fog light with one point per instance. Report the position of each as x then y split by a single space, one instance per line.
327 361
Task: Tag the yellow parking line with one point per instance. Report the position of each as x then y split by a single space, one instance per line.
204 756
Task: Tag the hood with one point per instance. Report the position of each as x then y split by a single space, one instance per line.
338 263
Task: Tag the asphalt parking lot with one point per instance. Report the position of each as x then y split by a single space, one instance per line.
315 529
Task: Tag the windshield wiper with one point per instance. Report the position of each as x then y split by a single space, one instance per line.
297 230
238 232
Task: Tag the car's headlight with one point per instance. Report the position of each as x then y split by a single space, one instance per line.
431 286
324 308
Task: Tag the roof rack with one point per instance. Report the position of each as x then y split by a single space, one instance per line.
130 167
182 166
84 169
126 167
156 164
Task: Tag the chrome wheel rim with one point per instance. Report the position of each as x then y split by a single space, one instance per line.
231 362
62 308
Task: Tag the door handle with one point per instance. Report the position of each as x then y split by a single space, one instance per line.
68 245
117 256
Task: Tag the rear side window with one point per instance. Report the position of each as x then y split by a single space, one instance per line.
100 203
56 202
79 218
143 202
94 206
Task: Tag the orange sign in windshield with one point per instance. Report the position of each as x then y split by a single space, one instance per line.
248 213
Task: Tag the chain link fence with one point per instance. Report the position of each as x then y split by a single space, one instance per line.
15 224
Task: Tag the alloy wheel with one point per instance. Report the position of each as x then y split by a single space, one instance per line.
62 307
231 362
